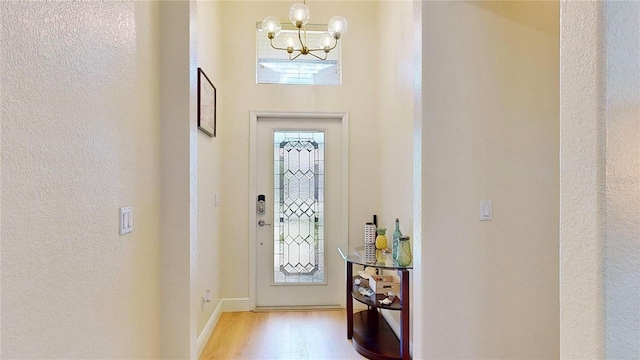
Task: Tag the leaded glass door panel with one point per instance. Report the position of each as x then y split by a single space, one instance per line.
299 172
298 206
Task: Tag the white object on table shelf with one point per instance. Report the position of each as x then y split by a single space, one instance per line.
367 273
386 301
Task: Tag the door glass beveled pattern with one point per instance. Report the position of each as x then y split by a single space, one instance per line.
298 207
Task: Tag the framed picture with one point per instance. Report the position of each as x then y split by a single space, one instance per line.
206 104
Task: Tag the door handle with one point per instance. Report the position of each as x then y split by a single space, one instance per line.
262 223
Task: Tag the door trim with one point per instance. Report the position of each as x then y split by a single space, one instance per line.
253 192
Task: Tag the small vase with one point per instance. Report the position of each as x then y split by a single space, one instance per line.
404 251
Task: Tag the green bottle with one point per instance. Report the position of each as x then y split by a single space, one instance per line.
396 239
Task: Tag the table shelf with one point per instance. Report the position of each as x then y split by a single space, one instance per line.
373 300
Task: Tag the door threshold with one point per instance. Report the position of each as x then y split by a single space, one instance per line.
298 308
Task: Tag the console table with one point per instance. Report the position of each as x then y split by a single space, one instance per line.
370 333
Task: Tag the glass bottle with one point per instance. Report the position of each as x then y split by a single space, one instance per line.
404 251
395 239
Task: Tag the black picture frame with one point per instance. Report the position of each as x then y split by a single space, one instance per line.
206 104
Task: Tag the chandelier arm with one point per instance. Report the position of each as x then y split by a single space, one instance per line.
318 57
300 37
295 57
277 48
320 49
331 48
334 45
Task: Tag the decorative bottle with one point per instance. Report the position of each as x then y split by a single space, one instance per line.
404 251
395 239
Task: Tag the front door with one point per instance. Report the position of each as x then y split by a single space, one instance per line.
299 172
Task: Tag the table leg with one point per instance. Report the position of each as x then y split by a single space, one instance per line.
349 300
404 318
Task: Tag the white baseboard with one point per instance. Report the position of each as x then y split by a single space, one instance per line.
208 329
235 304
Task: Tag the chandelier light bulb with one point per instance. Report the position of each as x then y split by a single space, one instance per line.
326 41
290 42
271 25
337 26
299 15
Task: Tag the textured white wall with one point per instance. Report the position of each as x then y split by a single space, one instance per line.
209 22
489 131
622 244
581 181
417 290
80 138
358 95
395 132
395 129
600 180
180 300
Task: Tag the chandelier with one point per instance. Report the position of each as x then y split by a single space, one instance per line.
299 17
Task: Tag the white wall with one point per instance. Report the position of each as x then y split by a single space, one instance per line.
395 130
80 138
622 246
209 22
179 297
582 181
489 131
600 180
418 186
358 95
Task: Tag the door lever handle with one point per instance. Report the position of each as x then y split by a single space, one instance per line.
262 223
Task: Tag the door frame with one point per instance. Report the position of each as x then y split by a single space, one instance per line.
253 192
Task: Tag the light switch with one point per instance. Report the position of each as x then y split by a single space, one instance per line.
486 210
206 298
126 220
217 199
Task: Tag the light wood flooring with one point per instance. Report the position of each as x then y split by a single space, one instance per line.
281 335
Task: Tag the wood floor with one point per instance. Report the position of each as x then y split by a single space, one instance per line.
281 335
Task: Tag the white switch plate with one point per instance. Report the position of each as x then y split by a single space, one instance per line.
126 220
217 199
486 210
206 298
